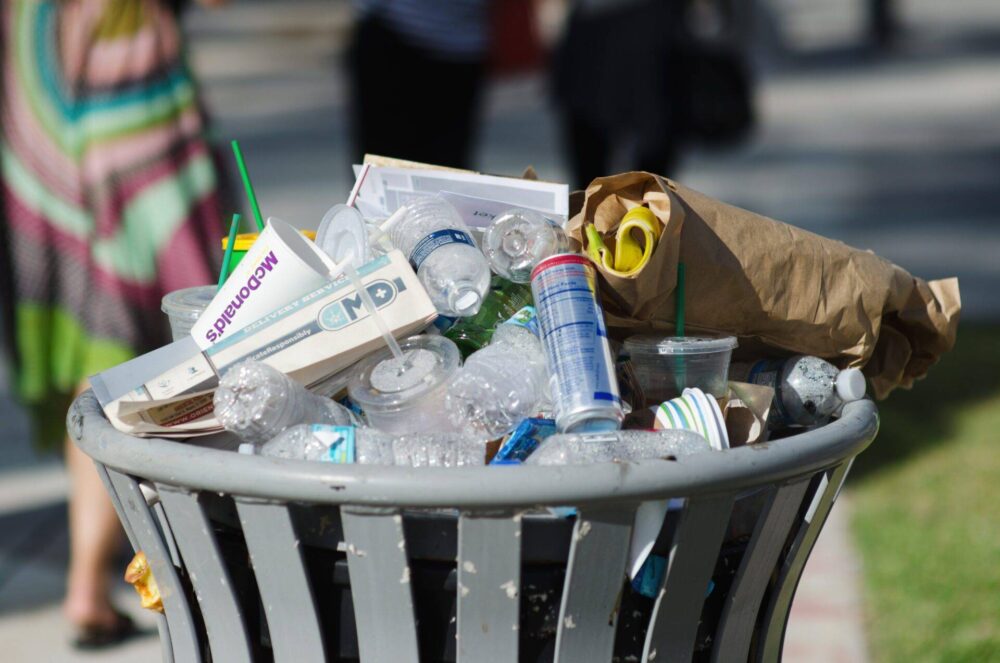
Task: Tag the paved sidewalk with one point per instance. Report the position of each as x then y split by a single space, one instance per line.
827 622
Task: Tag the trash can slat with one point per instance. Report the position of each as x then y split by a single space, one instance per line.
739 615
224 619
282 580
693 552
380 584
595 577
489 587
183 634
772 628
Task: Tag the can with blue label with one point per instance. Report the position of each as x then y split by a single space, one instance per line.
574 336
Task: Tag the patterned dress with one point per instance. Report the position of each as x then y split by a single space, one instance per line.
110 192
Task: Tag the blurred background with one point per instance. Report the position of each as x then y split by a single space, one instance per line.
874 122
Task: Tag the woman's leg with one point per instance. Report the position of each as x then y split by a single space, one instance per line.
94 537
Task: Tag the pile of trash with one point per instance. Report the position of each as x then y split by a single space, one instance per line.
444 318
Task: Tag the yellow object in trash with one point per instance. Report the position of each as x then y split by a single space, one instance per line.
139 575
630 255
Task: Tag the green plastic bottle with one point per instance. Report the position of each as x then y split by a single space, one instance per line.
504 299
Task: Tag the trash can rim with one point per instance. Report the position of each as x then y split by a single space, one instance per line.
190 467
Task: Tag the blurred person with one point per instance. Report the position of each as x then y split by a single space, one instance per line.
611 82
417 69
635 82
110 199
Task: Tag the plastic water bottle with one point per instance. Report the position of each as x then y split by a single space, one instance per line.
441 250
370 446
519 239
504 299
256 402
807 390
504 382
617 446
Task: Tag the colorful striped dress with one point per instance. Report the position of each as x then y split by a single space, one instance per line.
110 193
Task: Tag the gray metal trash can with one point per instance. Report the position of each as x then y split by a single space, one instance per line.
258 557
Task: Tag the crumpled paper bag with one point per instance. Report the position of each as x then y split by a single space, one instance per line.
776 287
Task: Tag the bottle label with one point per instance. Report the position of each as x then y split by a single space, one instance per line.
527 317
435 241
340 441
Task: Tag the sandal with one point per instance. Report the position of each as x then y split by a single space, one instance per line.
102 637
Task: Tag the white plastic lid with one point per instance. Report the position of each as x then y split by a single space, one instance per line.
850 385
342 234
379 385
678 345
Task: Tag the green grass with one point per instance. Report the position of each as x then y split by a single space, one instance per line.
927 512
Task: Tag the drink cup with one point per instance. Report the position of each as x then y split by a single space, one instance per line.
280 267
243 243
666 365
696 411
183 307
407 398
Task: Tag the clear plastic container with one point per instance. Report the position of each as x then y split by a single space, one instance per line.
519 239
666 365
184 307
409 399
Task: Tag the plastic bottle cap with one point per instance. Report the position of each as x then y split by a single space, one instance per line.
467 302
850 385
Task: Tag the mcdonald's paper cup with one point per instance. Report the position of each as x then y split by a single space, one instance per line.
280 267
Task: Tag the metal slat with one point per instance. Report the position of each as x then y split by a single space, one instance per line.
489 587
167 653
772 628
183 633
673 625
227 633
735 630
380 584
285 591
595 578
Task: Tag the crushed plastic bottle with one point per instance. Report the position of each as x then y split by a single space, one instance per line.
442 251
519 239
256 402
370 446
617 446
807 390
504 382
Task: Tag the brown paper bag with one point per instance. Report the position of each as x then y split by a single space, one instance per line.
776 287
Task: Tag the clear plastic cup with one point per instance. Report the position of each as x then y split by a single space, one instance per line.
409 399
666 365
183 307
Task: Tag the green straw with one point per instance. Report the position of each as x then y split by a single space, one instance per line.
680 369
233 229
248 186
680 300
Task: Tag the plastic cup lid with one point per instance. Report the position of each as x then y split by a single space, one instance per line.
188 302
678 345
381 383
342 234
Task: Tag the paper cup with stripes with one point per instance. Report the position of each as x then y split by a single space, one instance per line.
695 411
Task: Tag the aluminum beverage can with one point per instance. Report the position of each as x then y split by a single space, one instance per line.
575 338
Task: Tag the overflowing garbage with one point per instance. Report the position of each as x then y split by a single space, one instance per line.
443 319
